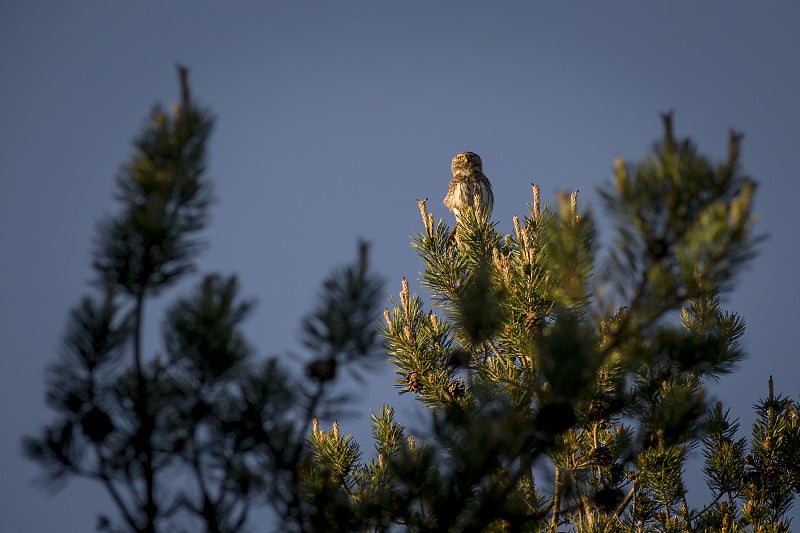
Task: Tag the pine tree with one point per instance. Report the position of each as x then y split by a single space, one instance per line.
566 394
194 437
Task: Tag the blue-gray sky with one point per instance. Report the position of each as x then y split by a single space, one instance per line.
333 117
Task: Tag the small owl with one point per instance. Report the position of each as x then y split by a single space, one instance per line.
468 185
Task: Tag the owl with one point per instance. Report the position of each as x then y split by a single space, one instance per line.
468 185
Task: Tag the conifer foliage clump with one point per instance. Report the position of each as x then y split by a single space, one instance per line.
566 392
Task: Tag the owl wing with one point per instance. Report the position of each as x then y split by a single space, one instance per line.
487 194
458 195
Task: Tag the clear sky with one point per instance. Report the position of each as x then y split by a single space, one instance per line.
333 117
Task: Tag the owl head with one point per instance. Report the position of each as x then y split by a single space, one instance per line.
466 163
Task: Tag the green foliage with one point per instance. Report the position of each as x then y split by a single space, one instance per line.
196 436
563 393
165 201
341 328
539 364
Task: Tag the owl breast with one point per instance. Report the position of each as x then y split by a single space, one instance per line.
463 193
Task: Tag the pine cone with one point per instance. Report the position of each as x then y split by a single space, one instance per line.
601 455
96 424
456 389
322 369
459 358
413 382
531 319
